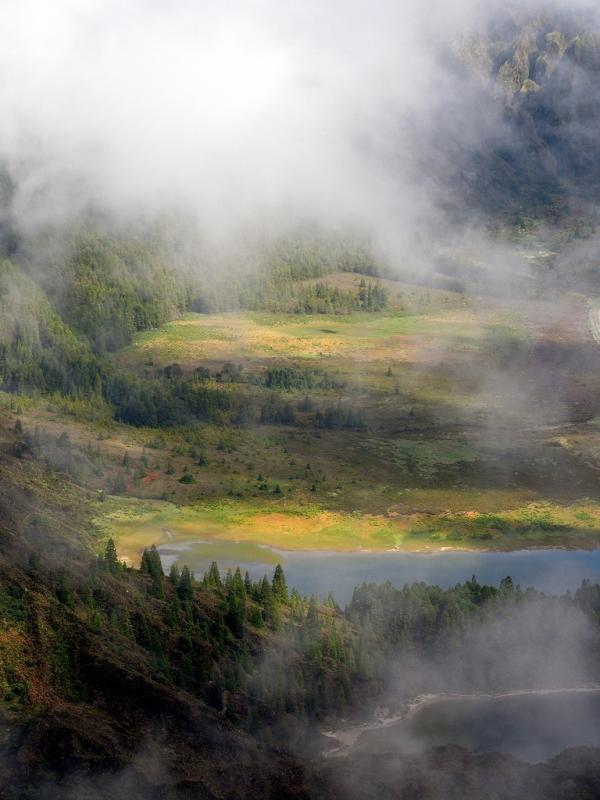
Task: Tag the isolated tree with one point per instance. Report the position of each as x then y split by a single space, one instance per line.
110 557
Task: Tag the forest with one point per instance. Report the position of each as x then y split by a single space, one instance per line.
300 401
58 330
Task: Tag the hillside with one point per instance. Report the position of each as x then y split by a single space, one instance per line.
300 403
529 97
99 669
121 680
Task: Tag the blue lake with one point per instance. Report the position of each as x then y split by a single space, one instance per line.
320 572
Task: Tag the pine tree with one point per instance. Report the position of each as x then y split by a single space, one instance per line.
238 583
265 590
111 559
152 566
174 575
185 590
235 616
279 585
213 576
228 580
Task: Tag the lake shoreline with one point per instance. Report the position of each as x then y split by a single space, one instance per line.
566 547
320 572
135 525
347 736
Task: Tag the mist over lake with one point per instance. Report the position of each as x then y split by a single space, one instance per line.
533 727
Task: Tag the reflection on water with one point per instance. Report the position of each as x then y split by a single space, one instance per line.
321 572
532 727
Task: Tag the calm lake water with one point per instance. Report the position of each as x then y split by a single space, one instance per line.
532 727
320 572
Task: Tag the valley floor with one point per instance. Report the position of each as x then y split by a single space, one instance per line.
478 429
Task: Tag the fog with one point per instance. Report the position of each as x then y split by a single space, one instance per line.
240 122
246 116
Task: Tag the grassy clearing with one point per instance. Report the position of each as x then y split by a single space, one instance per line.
137 525
440 462
256 337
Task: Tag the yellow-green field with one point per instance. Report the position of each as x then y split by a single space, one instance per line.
136 525
469 440
262 338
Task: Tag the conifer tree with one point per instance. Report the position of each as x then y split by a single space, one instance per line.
152 566
110 557
213 576
238 583
174 575
229 580
185 589
279 585
235 616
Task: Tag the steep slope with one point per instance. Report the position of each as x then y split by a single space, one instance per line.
86 711
516 136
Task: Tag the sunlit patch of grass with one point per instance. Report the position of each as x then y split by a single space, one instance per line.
537 524
136 525
235 336
399 483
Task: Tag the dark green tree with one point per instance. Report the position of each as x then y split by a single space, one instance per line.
185 589
213 576
279 585
152 566
111 560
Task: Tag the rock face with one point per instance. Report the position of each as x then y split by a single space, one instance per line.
523 132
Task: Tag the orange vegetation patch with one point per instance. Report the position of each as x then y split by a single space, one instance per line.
18 669
293 523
